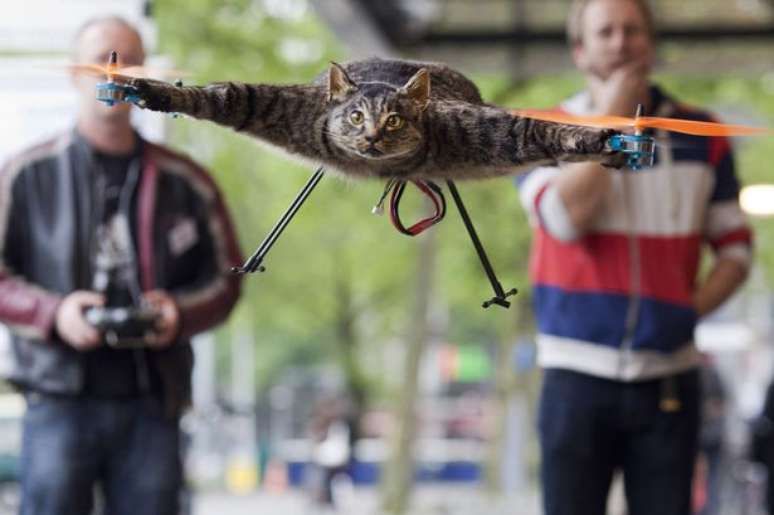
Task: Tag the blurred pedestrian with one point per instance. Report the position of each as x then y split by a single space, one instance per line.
333 435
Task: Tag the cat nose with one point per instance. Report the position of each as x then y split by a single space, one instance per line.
372 137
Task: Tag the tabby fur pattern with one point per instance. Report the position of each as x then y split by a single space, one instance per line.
386 118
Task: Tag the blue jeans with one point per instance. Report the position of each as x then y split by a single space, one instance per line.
589 427
71 444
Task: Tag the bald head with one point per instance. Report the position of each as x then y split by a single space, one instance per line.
95 39
94 42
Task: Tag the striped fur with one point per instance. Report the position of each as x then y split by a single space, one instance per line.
440 127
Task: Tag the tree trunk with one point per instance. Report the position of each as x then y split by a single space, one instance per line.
399 471
348 343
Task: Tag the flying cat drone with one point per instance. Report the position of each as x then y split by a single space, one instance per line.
114 92
381 119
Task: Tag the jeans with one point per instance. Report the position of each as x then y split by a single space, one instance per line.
589 427
126 446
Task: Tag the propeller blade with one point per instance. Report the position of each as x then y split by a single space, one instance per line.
88 69
102 71
571 119
645 122
699 128
146 71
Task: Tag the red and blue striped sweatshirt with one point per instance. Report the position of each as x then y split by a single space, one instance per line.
617 301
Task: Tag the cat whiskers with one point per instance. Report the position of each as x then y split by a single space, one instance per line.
386 157
347 144
343 142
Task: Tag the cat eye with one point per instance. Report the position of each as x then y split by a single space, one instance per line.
356 117
394 122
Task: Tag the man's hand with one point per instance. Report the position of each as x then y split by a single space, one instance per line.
168 325
619 94
70 323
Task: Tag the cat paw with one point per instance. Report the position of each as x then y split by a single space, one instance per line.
153 94
612 158
604 140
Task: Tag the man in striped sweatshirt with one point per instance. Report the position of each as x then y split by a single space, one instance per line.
614 264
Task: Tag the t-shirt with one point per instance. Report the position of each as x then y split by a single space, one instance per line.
111 372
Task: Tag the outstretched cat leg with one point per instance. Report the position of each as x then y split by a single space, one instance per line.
479 141
568 143
282 115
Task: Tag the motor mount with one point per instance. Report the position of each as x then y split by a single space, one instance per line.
640 149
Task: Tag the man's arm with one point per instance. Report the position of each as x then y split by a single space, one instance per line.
32 311
733 250
208 302
564 200
582 188
721 282
25 307
727 231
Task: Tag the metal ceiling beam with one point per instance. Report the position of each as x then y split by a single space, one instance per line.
557 37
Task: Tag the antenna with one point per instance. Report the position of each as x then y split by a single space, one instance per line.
637 114
112 65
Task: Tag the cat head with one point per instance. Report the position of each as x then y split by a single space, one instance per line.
374 120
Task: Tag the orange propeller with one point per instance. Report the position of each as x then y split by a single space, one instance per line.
645 122
97 70
113 70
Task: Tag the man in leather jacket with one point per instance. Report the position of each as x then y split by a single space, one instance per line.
100 217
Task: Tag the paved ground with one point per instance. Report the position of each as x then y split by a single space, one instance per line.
428 500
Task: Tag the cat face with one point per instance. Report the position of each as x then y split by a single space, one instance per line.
377 121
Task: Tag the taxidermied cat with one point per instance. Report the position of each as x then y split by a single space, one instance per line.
386 118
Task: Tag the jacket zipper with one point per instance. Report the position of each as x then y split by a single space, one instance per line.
635 261
633 307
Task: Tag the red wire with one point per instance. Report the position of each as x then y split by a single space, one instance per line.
429 189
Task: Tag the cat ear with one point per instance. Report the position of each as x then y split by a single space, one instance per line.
340 86
418 87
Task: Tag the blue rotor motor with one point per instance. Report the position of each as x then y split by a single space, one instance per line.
111 93
640 149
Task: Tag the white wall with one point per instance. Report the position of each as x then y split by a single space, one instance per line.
49 25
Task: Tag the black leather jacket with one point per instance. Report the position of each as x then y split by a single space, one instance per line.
184 240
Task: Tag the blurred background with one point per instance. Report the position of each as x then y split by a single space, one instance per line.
355 332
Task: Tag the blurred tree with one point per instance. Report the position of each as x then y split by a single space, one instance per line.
399 471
